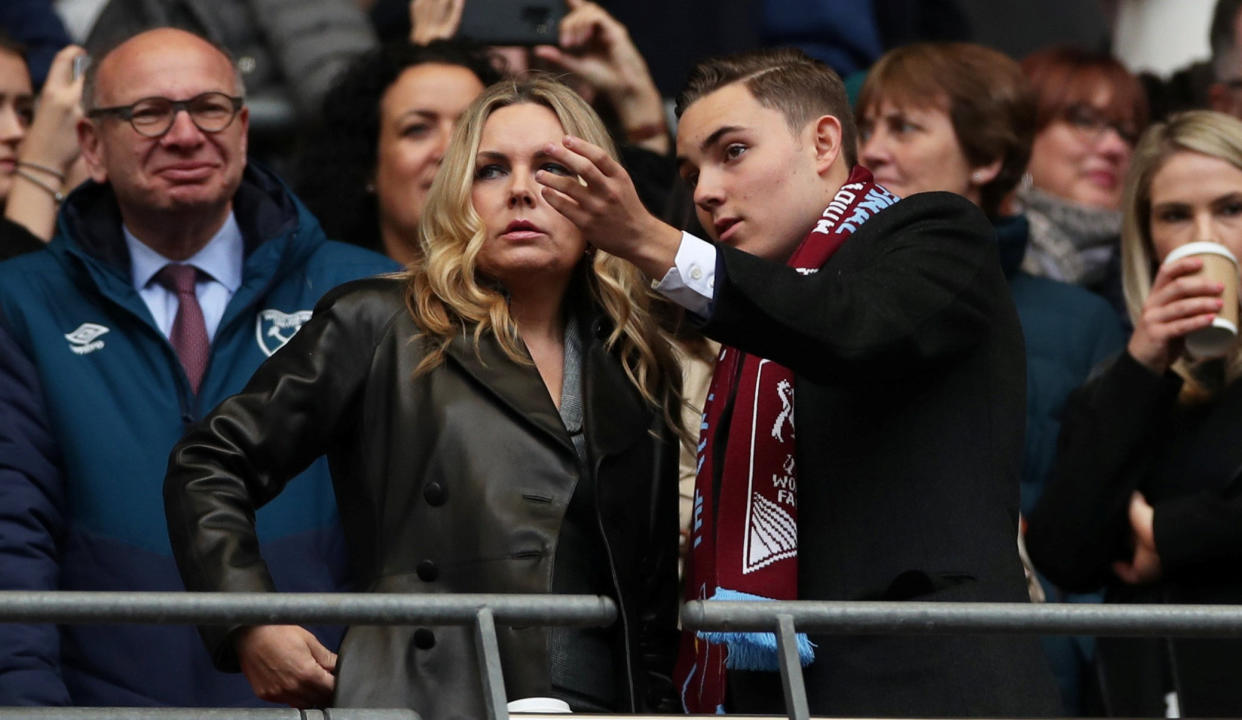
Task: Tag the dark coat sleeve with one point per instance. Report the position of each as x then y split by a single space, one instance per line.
242 455
1081 523
915 291
32 498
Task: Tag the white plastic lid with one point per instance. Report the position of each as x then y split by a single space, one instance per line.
1199 248
1212 341
540 705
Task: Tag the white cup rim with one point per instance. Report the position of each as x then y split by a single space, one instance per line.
1202 247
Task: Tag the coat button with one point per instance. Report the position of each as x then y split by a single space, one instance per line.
424 639
434 494
427 571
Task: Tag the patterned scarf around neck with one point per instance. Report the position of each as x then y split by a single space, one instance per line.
744 540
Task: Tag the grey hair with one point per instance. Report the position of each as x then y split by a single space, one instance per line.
90 78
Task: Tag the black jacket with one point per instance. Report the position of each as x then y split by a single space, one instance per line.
909 393
454 481
1125 431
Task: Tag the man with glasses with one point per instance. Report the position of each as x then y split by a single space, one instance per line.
173 274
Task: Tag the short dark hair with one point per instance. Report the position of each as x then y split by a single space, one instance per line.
1222 38
339 159
784 79
8 44
984 93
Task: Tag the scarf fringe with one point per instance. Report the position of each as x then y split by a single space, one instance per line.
754 650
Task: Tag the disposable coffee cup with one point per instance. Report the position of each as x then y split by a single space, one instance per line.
1220 265
539 706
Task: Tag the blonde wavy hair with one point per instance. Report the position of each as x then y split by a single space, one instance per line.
1200 131
448 296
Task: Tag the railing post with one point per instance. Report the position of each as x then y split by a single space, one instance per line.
791 669
494 702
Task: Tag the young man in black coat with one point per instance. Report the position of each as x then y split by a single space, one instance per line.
892 322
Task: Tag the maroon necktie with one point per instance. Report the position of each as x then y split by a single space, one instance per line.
189 332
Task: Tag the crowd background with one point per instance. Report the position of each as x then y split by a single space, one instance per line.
352 102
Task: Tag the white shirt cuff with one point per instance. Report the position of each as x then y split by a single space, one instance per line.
691 282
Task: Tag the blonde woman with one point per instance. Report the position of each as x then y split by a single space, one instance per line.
1145 499
497 420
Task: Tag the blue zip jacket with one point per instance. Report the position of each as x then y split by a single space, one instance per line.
117 401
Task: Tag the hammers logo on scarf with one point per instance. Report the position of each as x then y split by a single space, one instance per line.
744 539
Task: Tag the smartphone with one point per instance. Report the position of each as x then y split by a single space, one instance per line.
512 22
79 65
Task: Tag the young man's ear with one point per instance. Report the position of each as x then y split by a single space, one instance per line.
827 139
88 140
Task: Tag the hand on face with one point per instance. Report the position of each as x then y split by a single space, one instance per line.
1179 303
52 139
604 205
528 244
1193 197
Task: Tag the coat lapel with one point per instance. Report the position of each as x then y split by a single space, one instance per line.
615 414
516 385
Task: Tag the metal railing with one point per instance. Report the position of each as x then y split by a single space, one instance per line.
484 612
788 618
481 611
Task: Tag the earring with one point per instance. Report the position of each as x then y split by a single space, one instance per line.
370 188
978 177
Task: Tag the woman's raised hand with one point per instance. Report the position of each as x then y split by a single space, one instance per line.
1179 303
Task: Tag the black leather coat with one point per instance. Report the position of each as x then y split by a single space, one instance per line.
454 481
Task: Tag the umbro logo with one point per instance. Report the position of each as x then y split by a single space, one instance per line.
85 339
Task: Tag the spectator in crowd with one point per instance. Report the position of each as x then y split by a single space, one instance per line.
960 117
41 147
606 68
380 139
31 503
16 113
1225 94
172 276
1144 495
1089 111
289 52
499 419
34 24
900 363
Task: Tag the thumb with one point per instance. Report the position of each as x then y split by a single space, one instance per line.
323 656
574 4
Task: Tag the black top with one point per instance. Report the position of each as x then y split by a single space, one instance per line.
16 240
1126 430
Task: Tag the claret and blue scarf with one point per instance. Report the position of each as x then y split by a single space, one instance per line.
744 540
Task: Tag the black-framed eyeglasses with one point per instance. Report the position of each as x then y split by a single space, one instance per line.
151 117
1090 123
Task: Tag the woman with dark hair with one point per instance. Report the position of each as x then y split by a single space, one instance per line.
1144 499
385 123
1089 111
37 151
498 419
960 117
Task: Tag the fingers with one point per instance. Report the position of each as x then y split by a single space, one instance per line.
1126 572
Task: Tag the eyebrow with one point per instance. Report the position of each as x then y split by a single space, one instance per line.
709 141
420 112
497 155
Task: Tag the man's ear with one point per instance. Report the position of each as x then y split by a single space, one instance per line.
243 117
827 141
92 150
